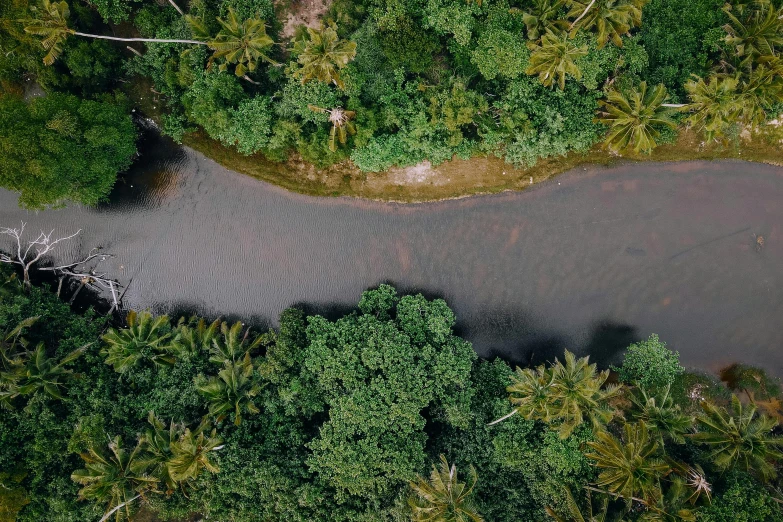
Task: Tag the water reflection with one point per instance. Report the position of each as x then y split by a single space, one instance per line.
591 262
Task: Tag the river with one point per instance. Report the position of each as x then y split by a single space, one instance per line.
591 260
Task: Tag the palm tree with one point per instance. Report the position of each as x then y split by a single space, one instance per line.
443 498
542 15
716 104
145 338
232 390
563 395
755 29
116 479
243 44
10 342
739 438
156 450
576 514
555 57
190 453
609 19
659 413
52 24
341 124
634 119
631 468
322 55
194 336
176 455
42 374
231 345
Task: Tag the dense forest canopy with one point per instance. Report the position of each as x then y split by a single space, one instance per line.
380 414
396 82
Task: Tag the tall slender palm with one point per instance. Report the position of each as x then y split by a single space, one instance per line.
232 391
563 395
323 55
146 337
443 498
541 15
755 29
635 118
665 420
631 467
554 58
341 122
44 374
609 19
738 437
243 44
115 479
51 22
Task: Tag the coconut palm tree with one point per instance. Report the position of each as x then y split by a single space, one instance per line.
738 437
155 446
609 19
665 420
341 124
554 58
716 104
563 395
631 467
176 455
243 44
231 345
323 55
541 15
12 359
115 479
145 338
51 23
43 374
194 336
755 29
443 498
634 118
191 453
232 390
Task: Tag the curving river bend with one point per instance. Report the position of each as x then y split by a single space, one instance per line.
591 261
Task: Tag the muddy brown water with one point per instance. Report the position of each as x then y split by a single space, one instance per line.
591 261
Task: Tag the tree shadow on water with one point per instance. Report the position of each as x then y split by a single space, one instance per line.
608 341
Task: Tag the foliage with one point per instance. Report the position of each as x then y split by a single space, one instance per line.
145 338
635 118
563 395
323 55
443 497
554 58
650 364
60 148
609 19
631 466
738 437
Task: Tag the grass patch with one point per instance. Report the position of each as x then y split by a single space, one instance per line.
461 178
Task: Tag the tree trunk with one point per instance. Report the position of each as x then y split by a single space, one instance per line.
153 40
582 15
176 7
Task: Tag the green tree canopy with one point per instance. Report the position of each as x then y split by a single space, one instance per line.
58 148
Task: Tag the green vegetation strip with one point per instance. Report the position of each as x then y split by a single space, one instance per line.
381 414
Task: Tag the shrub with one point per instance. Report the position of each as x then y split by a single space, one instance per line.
650 364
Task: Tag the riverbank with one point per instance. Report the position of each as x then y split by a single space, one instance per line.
461 178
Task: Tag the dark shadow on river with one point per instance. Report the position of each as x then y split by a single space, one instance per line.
591 261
